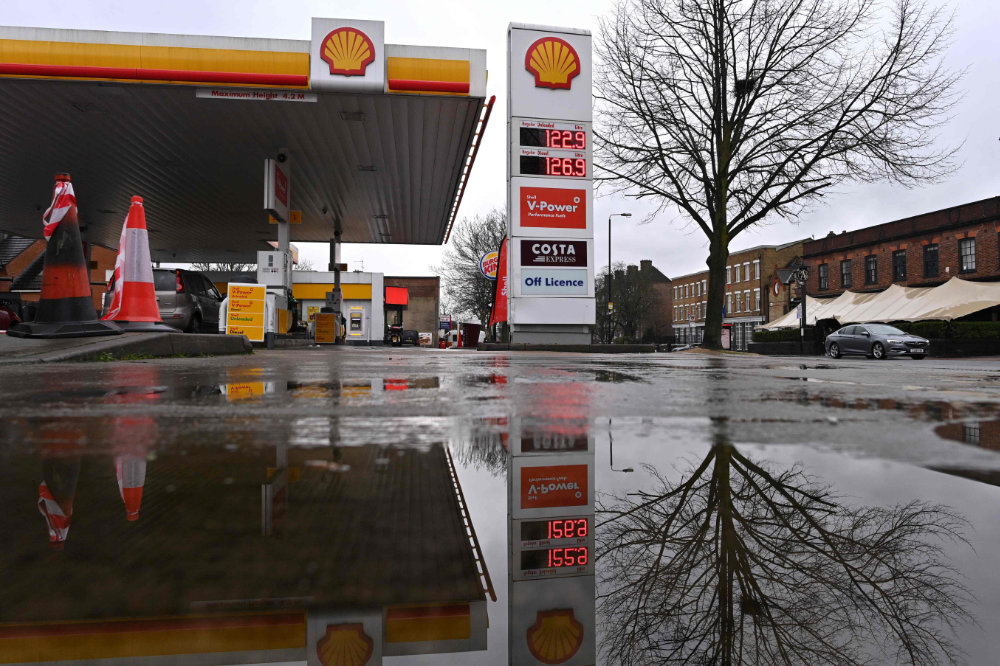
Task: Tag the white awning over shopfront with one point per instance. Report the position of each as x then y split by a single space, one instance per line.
951 300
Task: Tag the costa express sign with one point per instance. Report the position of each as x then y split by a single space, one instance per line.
553 253
553 486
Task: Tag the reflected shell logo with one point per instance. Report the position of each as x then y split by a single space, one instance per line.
553 62
345 645
348 51
488 265
555 637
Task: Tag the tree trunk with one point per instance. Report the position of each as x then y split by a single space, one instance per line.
718 256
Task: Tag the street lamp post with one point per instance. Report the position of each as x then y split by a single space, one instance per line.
801 276
610 330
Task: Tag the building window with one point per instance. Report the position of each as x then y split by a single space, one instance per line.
967 255
871 269
824 276
746 300
736 273
846 280
729 275
931 260
746 271
704 286
756 300
756 269
729 302
899 265
739 300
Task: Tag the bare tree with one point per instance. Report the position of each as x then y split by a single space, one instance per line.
737 564
736 111
465 288
223 266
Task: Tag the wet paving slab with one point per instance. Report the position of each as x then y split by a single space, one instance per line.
440 507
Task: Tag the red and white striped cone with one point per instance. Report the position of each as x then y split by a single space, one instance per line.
65 309
131 473
55 496
133 299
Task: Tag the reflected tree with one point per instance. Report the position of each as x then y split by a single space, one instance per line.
739 564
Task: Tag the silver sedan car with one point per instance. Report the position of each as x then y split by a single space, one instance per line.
875 341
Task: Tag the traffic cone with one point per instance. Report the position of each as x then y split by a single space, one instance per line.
66 308
133 299
131 473
55 497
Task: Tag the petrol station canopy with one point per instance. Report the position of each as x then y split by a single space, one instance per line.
380 152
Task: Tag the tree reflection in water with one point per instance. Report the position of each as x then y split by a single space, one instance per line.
740 564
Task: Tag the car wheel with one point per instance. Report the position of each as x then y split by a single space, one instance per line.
195 324
878 351
917 357
834 350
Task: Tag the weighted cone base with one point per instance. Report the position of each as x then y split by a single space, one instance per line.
143 326
63 329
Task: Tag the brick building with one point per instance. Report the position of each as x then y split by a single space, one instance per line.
751 297
920 251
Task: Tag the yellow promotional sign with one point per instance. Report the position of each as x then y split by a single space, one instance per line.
326 328
236 391
245 313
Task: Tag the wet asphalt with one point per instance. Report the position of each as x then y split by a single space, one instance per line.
874 433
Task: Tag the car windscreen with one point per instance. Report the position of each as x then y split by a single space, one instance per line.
883 329
164 281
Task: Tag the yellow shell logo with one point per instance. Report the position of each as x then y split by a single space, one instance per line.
555 637
553 61
345 645
348 51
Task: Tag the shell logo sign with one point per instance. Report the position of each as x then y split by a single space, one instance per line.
554 62
555 637
345 645
347 51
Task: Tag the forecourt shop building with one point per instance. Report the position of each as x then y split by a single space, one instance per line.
348 138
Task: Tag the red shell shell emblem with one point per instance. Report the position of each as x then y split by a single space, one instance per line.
554 62
345 645
347 51
555 637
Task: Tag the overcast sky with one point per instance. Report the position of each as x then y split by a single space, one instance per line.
675 247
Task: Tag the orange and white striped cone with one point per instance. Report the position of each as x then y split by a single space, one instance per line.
131 473
66 308
55 497
133 299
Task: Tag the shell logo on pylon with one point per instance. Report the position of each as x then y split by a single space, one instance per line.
345 645
553 61
348 51
555 637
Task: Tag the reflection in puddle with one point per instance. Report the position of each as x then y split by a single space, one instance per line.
928 410
735 563
984 434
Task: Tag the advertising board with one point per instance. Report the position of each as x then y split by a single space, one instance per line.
245 310
554 282
553 253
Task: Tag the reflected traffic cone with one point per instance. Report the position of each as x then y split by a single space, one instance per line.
66 308
55 497
131 473
133 299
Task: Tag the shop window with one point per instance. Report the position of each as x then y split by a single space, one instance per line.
931 260
846 278
871 269
824 276
967 255
899 265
